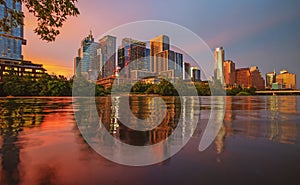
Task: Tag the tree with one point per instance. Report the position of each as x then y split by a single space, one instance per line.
50 14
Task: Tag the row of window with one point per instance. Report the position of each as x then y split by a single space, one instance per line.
6 68
24 74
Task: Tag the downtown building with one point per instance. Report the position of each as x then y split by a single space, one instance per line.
11 58
229 73
96 60
250 77
286 80
165 62
133 59
87 63
219 56
270 79
242 77
108 51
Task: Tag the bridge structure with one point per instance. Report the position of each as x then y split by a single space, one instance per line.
278 92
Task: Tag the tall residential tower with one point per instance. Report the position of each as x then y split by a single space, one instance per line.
11 42
219 56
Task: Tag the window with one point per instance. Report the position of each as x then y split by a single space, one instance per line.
28 70
15 46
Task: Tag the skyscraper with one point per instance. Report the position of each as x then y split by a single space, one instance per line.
11 58
270 79
169 64
108 48
187 74
229 73
164 61
11 42
132 56
87 62
157 45
218 65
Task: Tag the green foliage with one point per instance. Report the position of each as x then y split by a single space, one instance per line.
83 87
140 87
241 92
233 91
50 14
203 89
165 88
47 85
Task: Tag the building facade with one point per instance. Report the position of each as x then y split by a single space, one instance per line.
243 77
108 49
219 56
257 80
250 77
20 68
87 62
157 45
11 58
270 79
169 64
163 61
287 80
11 42
229 73
187 75
132 56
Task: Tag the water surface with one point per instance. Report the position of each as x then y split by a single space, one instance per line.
258 143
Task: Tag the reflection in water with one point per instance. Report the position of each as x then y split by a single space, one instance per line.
272 117
14 116
158 142
41 144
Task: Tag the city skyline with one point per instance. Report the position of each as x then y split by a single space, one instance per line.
263 34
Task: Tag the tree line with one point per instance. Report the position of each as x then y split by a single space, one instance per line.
58 85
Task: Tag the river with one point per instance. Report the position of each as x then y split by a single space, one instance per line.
258 142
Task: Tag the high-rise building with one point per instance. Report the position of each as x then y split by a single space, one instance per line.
243 77
219 56
132 56
169 64
108 49
270 79
11 42
286 79
164 61
157 45
229 73
195 74
87 61
11 58
250 77
257 80
187 75
147 58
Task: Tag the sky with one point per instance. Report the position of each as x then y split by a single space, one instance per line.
262 33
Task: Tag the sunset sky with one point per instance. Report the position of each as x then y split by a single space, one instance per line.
262 33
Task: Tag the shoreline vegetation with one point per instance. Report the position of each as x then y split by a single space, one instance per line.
53 85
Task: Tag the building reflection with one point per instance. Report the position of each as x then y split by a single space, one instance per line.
142 107
282 109
14 116
270 117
